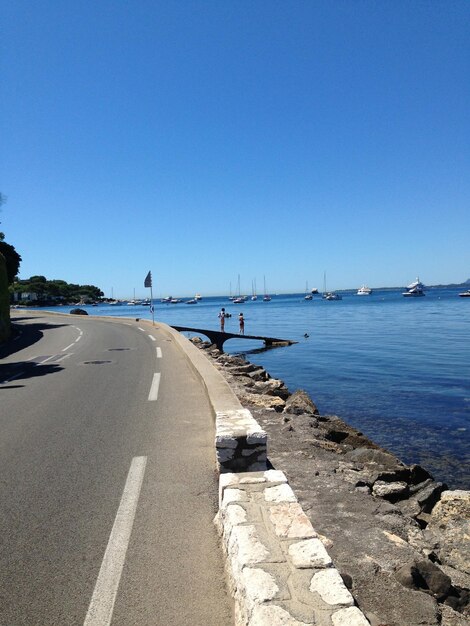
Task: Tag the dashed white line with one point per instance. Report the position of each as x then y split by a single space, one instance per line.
142 329
152 338
153 395
159 353
80 335
62 358
100 611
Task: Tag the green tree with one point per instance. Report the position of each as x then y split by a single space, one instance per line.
12 259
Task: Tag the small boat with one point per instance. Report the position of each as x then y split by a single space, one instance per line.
465 294
364 291
192 301
239 300
308 295
253 290
414 290
175 301
266 297
329 295
314 291
198 297
146 302
166 300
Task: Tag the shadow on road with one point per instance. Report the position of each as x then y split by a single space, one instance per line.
22 370
25 335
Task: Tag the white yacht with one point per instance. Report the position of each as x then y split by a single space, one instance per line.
414 290
364 291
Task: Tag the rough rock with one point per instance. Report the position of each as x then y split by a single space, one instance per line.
78 312
450 525
267 402
390 491
301 403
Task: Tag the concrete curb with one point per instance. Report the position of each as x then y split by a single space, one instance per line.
279 571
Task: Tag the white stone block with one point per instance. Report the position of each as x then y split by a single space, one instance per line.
245 547
259 586
309 553
351 616
331 588
233 495
280 493
290 522
272 615
233 516
252 480
275 476
257 437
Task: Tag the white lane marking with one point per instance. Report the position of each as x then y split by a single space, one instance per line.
159 353
49 358
152 338
62 358
80 335
100 611
142 329
153 395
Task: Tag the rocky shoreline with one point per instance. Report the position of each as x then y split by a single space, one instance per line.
400 539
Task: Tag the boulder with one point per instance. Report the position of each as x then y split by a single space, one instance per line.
449 525
425 576
78 312
390 491
262 401
300 403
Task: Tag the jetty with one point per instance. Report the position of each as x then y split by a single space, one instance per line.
219 338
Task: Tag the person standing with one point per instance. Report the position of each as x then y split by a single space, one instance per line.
241 321
222 319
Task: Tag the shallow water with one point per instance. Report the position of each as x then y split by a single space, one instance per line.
396 368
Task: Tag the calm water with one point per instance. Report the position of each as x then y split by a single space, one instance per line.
396 368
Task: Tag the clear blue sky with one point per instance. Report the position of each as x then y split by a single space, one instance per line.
207 139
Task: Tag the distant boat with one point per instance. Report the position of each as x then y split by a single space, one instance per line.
364 291
308 295
198 297
329 295
414 290
239 299
175 301
313 291
193 301
166 300
266 297
253 290
465 294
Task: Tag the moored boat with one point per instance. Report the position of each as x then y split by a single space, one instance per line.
414 290
364 291
465 294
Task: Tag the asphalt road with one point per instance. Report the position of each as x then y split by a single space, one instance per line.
107 479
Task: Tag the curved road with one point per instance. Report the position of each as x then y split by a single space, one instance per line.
107 479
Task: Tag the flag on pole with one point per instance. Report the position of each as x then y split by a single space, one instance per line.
148 280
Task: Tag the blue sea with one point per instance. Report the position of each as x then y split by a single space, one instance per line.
396 368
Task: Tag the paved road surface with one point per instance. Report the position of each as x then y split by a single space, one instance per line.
107 480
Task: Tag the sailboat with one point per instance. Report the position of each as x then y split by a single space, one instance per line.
239 299
253 290
308 295
329 295
266 298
